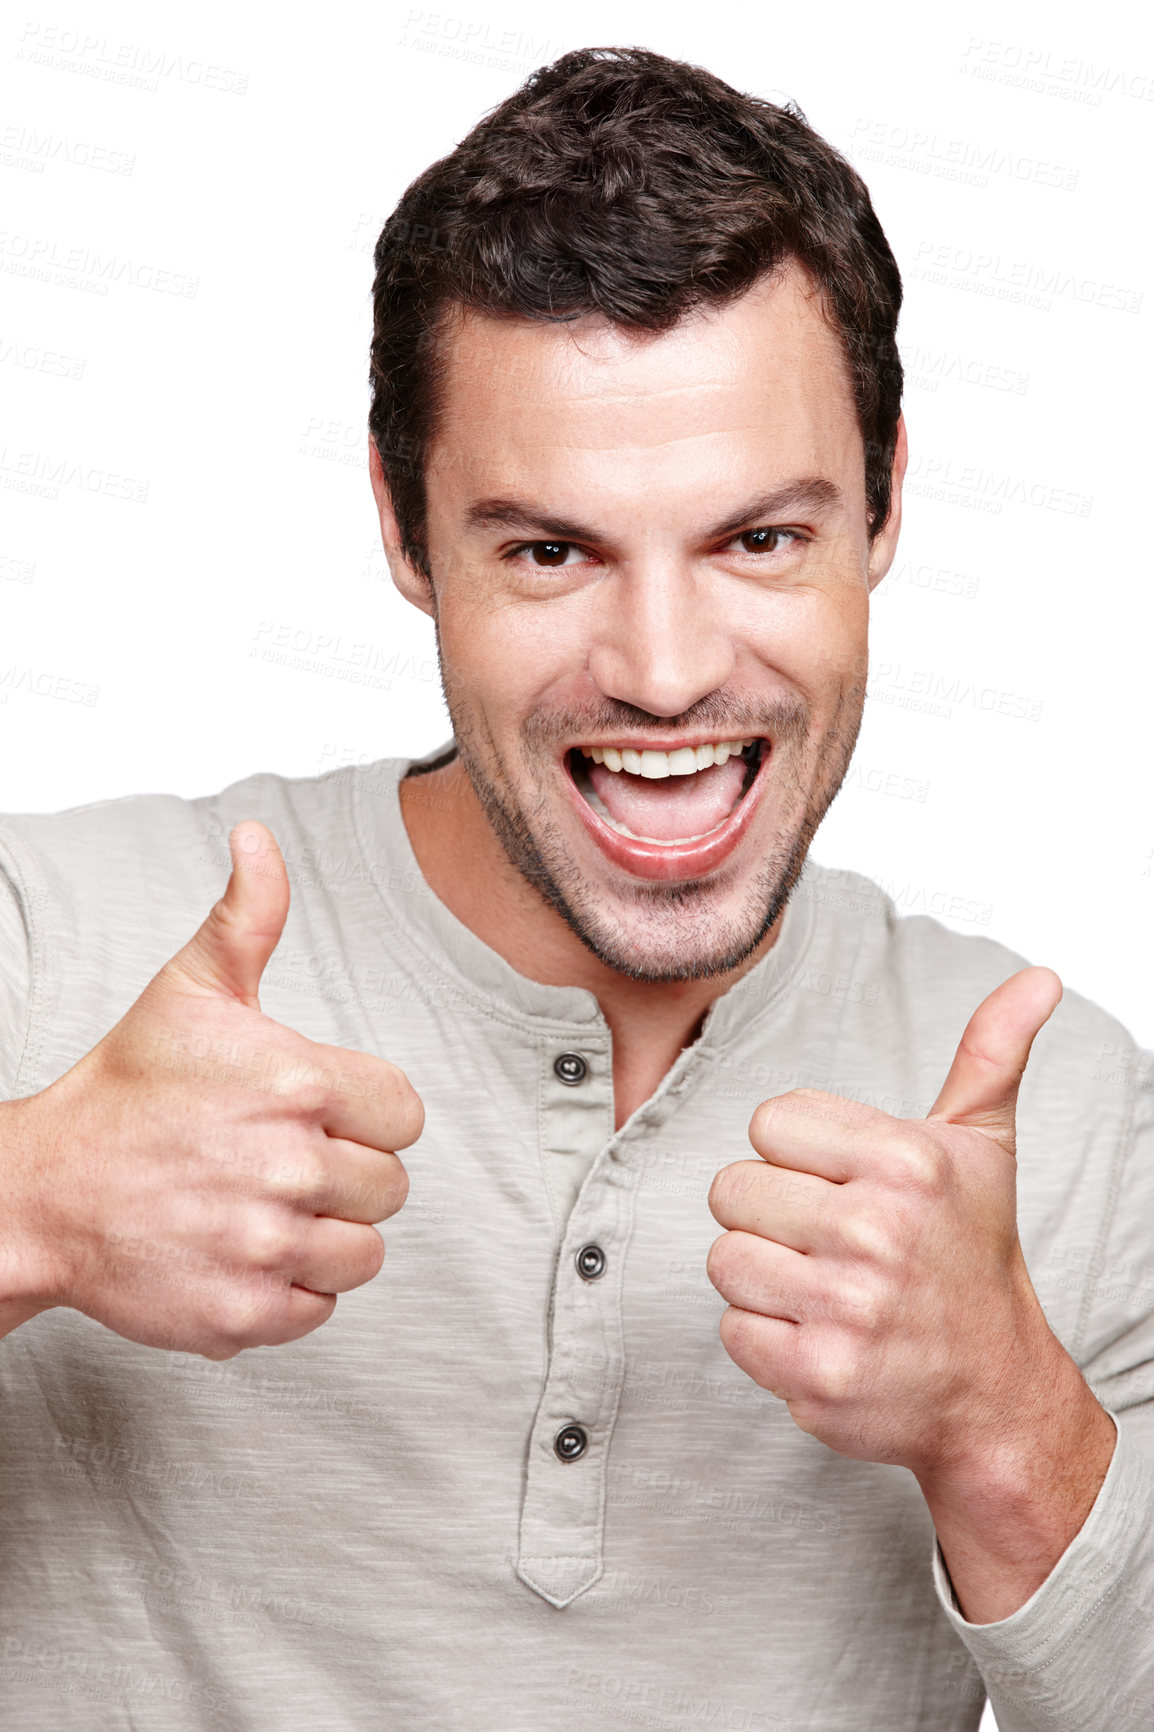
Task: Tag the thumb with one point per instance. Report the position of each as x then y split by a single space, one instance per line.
229 953
982 1087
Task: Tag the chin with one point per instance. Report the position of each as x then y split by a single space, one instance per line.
670 857
663 932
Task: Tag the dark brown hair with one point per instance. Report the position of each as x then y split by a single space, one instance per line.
620 183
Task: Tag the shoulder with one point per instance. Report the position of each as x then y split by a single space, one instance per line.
97 898
928 979
108 843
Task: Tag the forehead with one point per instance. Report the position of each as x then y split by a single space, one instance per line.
765 375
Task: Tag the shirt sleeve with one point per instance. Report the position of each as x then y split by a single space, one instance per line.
1078 1657
15 984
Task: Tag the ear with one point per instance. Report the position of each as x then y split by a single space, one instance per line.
885 543
413 584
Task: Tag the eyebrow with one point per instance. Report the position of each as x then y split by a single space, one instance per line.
805 496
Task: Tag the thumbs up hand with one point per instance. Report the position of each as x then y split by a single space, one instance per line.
205 1179
872 1265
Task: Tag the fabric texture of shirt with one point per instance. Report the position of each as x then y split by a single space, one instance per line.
370 1529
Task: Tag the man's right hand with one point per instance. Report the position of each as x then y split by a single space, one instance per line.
205 1179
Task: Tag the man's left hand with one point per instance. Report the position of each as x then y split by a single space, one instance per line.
872 1265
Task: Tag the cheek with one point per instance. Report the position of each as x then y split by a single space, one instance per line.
504 658
818 639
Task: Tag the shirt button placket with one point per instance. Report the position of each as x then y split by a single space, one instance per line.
564 1496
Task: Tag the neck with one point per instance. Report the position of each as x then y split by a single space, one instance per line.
467 869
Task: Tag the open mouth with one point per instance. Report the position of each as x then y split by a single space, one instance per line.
667 799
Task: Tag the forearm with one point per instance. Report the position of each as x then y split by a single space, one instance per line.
1006 1512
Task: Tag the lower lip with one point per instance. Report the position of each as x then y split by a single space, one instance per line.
672 862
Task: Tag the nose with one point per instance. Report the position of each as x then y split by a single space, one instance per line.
660 645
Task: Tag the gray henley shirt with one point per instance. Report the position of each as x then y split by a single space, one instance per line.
370 1530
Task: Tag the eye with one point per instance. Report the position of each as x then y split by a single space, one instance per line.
764 540
549 553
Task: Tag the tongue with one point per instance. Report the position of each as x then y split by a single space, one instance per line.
674 807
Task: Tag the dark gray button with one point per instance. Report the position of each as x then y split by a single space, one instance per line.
570 1068
571 1442
590 1262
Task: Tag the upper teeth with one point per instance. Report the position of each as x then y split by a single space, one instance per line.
685 761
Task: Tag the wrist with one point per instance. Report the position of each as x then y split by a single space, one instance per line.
26 1285
1019 1384
1006 1506
1004 1460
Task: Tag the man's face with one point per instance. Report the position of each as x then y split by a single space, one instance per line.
650 572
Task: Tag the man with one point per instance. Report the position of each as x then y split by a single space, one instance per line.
636 448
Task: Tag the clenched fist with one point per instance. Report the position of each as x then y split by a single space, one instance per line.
205 1179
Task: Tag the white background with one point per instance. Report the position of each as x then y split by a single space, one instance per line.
189 201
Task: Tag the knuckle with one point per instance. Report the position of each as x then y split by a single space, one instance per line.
308 1179
372 1255
733 1185
919 1165
774 1116
406 1108
831 1372
292 1174
310 1316
744 1339
799 1103
220 1351
310 1093
765 1117
398 1189
861 1303
233 1323
728 1260
721 1192
716 1259
357 1260
732 1329
372 1196
269 1241
867 1239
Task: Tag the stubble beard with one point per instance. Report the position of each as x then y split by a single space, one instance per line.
664 933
